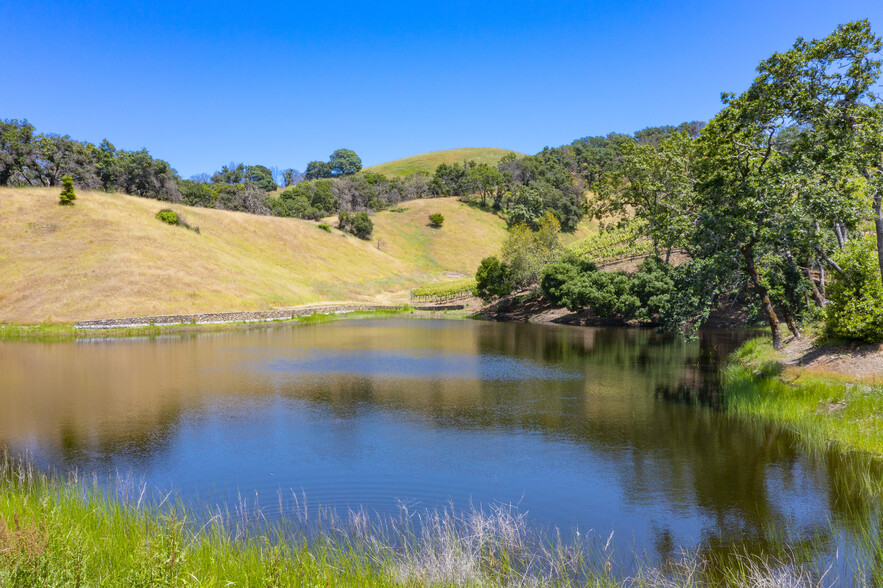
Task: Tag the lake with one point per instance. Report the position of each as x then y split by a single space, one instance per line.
602 429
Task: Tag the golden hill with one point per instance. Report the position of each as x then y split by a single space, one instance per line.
108 256
427 162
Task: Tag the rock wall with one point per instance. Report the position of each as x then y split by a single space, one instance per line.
245 317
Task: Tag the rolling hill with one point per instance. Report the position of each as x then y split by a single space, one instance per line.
427 162
108 256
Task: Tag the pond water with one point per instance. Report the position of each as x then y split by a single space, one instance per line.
608 429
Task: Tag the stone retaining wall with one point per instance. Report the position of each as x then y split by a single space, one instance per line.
244 317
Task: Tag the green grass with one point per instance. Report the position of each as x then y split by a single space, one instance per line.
61 532
824 411
427 162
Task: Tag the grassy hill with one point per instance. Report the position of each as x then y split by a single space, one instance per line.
108 256
427 162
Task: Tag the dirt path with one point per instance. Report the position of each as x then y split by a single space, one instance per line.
862 362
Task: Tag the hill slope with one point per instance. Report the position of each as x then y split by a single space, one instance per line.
427 162
108 256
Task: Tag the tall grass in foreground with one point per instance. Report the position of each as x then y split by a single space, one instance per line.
66 533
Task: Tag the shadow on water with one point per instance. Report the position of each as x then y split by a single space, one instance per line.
604 428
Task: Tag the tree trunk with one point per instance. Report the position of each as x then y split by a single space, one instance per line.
816 293
841 238
878 223
792 324
748 254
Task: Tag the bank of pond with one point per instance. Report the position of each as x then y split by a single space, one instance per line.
429 452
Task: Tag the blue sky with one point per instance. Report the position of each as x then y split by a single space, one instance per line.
201 84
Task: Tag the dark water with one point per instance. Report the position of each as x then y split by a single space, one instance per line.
588 428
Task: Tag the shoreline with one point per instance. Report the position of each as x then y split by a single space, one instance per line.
830 394
215 322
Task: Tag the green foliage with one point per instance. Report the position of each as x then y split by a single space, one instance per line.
308 200
343 162
359 224
198 193
493 279
436 220
856 296
171 217
579 285
325 227
259 175
67 195
526 252
654 183
167 216
694 287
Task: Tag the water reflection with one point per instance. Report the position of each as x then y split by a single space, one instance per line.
599 428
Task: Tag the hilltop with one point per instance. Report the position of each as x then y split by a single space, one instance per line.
108 256
427 162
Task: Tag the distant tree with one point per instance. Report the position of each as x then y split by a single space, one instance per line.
229 174
344 162
261 176
291 176
197 193
67 193
317 169
483 179
436 220
17 161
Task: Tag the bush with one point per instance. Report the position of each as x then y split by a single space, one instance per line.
359 224
578 285
436 220
325 227
67 195
493 278
171 217
168 216
856 308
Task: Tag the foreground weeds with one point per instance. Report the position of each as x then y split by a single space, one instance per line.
66 533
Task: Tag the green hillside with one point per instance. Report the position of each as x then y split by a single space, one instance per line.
427 162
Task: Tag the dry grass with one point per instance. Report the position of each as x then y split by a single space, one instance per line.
108 256
427 162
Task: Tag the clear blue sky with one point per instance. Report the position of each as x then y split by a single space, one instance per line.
201 84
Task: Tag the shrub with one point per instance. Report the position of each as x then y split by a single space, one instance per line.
171 217
359 224
362 225
67 195
168 216
325 227
493 278
555 278
856 308
436 220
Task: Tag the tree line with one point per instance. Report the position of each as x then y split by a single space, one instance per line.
521 189
780 190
